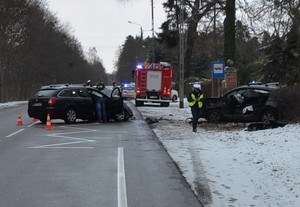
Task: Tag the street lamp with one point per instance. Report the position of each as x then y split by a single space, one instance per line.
139 46
130 22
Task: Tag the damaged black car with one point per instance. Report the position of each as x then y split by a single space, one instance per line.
247 103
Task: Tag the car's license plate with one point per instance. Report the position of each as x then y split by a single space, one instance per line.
37 104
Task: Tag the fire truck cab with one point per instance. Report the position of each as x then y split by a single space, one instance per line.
153 84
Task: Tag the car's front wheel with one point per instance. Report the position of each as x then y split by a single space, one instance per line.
70 116
121 116
174 98
164 104
214 116
268 115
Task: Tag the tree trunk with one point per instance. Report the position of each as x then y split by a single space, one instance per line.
229 31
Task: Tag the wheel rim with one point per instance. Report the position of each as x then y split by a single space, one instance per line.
267 116
121 116
71 116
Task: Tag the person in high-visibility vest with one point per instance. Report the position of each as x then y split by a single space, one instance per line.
195 100
114 84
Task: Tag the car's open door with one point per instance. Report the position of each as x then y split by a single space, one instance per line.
116 100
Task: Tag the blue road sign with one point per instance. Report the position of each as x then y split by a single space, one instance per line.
218 69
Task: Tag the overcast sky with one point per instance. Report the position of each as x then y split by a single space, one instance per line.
104 23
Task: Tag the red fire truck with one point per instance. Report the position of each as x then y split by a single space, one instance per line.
153 84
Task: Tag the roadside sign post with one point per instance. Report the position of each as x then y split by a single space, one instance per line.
218 72
218 69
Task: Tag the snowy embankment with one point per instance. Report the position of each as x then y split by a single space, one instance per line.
229 166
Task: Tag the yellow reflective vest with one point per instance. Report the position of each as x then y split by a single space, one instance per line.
193 102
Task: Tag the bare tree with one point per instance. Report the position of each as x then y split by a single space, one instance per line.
35 50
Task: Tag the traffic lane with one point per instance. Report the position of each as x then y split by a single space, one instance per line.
9 119
39 169
152 177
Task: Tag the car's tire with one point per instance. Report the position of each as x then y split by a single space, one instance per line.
120 116
174 98
164 104
70 116
214 116
268 115
139 103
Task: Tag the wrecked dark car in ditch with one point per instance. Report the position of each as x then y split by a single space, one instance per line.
247 103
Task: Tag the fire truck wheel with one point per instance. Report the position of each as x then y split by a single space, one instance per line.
139 103
164 104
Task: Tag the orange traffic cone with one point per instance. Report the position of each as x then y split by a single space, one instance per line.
48 124
19 123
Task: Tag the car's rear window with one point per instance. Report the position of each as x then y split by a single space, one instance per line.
46 93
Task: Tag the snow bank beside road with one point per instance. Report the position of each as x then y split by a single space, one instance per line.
11 104
228 166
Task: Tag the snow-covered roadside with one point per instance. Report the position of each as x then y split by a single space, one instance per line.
228 166
11 104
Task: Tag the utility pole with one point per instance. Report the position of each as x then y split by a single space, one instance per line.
153 40
181 54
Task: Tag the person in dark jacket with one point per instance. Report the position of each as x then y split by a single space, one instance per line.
195 100
99 103
100 86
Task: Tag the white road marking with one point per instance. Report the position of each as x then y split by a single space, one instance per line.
122 195
14 133
59 145
63 145
34 123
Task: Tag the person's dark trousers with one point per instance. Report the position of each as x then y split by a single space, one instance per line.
103 110
196 113
99 110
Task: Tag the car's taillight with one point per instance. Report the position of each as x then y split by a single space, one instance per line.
168 92
52 101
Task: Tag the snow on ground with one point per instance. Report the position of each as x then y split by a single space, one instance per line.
11 104
226 165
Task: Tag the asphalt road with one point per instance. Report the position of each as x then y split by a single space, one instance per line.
86 165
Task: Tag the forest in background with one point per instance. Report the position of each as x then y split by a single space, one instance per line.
265 48
37 49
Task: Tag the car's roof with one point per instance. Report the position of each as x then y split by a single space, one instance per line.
60 86
267 86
